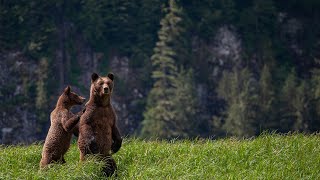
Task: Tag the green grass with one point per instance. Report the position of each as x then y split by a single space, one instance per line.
274 156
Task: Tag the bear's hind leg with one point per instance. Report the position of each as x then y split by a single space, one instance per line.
44 162
82 156
62 160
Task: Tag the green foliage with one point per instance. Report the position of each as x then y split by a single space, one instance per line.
288 94
315 101
41 88
257 23
294 99
186 107
302 103
275 37
239 90
266 100
266 87
315 82
297 98
289 86
294 156
41 100
92 21
207 15
159 118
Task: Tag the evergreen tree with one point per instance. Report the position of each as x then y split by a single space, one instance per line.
239 90
41 98
266 99
257 25
287 112
91 21
315 94
185 105
301 104
296 107
159 117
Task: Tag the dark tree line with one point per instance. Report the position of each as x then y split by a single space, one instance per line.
187 89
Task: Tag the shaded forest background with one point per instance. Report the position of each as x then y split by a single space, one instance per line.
209 68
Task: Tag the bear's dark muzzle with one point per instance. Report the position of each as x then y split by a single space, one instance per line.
106 90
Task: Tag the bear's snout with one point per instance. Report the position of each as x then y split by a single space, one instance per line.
81 100
106 90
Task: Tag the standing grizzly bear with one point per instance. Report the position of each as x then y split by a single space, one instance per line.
98 132
60 132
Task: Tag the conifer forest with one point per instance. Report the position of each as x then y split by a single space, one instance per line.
183 68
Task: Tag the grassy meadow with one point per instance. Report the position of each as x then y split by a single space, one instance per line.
294 156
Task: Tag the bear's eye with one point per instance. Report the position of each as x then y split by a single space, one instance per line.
101 83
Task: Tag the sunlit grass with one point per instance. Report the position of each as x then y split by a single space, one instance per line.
274 156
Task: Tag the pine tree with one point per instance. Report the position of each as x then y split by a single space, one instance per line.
266 99
297 101
159 117
239 90
287 111
185 105
315 94
91 21
301 104
41 99
257 26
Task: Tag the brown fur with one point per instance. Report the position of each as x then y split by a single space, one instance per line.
60 132
98 132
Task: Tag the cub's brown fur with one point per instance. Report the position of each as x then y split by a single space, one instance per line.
98 132
60 132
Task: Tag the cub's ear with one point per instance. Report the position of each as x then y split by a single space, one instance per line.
67 90
111 76
94 77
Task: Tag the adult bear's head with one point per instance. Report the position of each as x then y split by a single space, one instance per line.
101 87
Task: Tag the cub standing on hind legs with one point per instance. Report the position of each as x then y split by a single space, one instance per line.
98 132
60 132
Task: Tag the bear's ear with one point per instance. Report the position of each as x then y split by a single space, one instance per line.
67 90
111 76
94 77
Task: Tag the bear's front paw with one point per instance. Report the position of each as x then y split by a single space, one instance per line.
116 145
80 113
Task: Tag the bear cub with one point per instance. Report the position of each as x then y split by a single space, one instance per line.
60 132
98 132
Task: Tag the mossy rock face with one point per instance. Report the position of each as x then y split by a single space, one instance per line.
18 77
6 135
